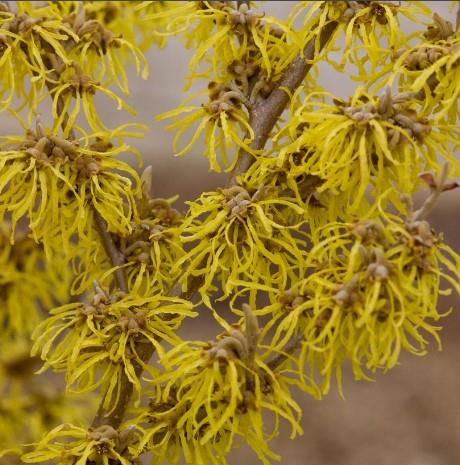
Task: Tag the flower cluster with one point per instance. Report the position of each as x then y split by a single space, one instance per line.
302 232
246 52
149 251
219 29
370 29
431 70
70 51
154 247
241 237
223 119
381 143
213 396
67 49
373 292
72 444
97 343
135 23
56 182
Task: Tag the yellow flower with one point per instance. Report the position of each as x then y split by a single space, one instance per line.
224 121
26 38
101 53
75 92
373 293
72 444
127 19
154 247
56 182
367 142
222 34
371 31
212 395
293 179
95 343
242 238
431 71
150 250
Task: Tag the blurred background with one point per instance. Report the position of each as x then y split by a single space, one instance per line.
409 416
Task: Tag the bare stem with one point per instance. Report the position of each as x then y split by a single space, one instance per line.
290 348
264 115
115 256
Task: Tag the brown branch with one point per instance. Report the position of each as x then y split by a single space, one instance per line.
290 348
264 115
144 352
114 419
115 256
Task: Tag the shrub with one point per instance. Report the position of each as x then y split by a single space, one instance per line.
313 244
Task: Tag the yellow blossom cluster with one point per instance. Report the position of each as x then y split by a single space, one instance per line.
66 50
154 247
222 32
371 30
372 293
222 119
150 248
242 238
56 183
213 396
368 145
96 343
431 70
71 444
245 53
314 237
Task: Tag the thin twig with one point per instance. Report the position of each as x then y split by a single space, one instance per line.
290 348
115 256
432 199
